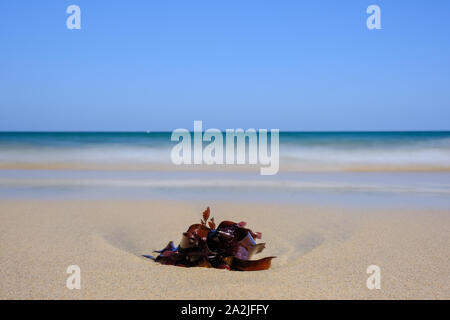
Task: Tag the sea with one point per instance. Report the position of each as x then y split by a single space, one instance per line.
383 169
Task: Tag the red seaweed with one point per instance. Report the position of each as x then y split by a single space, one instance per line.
229 246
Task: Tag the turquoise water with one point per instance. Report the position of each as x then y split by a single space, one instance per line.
380 168
301 150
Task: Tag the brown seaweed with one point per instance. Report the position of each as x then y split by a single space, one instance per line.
230 246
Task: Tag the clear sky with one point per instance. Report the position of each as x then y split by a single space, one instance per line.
287 64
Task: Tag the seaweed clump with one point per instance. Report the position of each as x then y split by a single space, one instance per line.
230 246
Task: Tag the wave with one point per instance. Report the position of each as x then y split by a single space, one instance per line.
298 151
362 159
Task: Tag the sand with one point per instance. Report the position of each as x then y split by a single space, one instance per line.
322 252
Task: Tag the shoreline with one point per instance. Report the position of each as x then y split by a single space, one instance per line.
284 168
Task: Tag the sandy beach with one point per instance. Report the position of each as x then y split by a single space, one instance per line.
322 252
322 125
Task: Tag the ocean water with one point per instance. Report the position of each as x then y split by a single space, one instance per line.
362 151
380 168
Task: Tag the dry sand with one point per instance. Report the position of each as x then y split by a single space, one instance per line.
321 252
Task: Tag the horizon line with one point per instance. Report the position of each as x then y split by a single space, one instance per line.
281 131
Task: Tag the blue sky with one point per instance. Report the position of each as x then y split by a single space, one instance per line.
287 64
